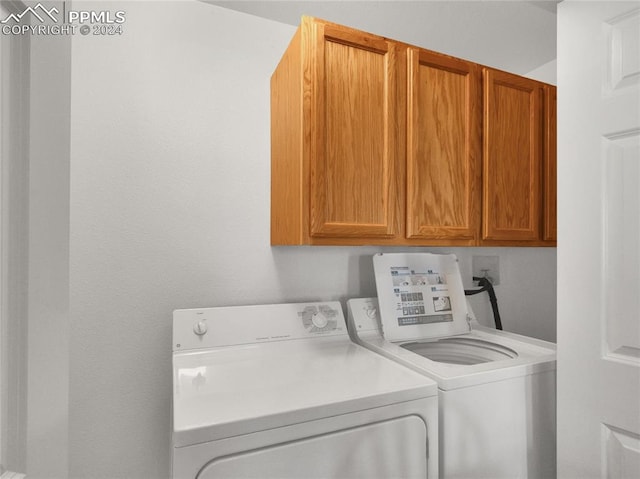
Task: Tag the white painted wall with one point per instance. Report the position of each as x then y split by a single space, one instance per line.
545 73
516 36
169 208
48 299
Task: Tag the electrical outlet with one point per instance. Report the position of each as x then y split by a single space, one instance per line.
487 266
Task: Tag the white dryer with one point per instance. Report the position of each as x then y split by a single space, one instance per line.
497 389
280 391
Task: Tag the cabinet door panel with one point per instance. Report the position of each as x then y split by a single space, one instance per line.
550 231
443 147
512 157
354 149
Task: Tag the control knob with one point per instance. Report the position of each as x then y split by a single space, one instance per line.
200 328
319 320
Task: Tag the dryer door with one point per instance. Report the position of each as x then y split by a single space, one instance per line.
392 448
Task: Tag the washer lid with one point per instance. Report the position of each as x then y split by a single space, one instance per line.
420 296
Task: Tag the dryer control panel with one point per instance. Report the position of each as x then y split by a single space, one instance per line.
319 318
237 325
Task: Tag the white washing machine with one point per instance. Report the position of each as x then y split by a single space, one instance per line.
497 390
280 391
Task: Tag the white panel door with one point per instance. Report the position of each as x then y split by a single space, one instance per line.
598 239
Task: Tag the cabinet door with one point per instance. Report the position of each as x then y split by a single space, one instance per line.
550 231
443 147
512 157
354 147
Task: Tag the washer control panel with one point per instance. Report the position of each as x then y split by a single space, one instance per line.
363 314
236 325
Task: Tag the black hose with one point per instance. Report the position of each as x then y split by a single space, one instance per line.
485 285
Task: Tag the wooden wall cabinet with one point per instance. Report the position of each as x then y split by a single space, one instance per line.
337 127
443 148
518 178
378 142
512 154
